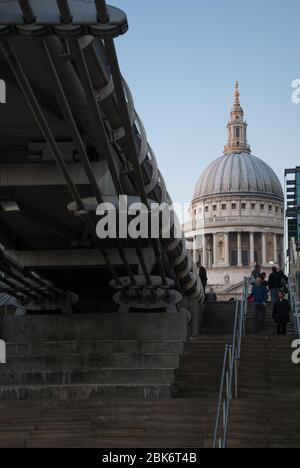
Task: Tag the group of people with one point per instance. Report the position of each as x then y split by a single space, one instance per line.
277 281
276 287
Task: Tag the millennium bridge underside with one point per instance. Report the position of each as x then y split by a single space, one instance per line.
70 139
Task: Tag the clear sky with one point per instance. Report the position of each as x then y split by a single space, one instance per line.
181 59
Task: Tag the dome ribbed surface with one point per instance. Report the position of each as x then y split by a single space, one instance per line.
238 173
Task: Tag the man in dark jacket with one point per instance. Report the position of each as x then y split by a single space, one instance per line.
275 283
260 295
284 282
255 274
281 313
203 275
264 279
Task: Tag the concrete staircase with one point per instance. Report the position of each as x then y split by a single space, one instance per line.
120 369
92 356
266 422
135 384
101 423
266 414
199 374
218 319
113 390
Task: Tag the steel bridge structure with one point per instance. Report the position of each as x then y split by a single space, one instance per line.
71 139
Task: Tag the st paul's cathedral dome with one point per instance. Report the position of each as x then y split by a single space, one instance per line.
237 212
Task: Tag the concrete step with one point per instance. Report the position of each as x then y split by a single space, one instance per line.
125 443
108 423
121 392
74 377
86 391
280 404
282 429
96 327
246 444
189 393
95 361
55 348
218 319
210 339
215 329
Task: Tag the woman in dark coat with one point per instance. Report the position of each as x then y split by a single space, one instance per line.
281 313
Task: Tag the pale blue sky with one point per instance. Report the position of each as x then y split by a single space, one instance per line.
181 59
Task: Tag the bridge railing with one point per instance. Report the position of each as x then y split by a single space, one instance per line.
229 378
294 286
294 309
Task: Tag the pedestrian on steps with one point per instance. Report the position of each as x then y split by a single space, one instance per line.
260 295
281 313
255 274
275 283
211 296
203 275
284 282
264 279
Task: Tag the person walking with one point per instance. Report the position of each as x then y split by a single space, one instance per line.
260 295
284 282
265 282
264 279
275 284
203 275
281 313
255 274
211 296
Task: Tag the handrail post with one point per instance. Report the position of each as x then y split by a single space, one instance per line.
220 401
224 414
229 389
294 308
227 386
236 378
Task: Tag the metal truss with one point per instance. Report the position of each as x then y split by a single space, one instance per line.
70 21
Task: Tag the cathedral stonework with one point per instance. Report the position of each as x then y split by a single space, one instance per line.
237 213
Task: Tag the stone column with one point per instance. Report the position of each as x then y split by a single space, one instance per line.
195 251
215 249
252 257
264 248
204 255
275 246
282 252
239 249
226 237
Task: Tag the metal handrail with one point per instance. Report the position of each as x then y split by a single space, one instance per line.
294 308
229 376
294 285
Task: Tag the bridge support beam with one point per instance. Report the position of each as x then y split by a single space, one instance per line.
76 258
